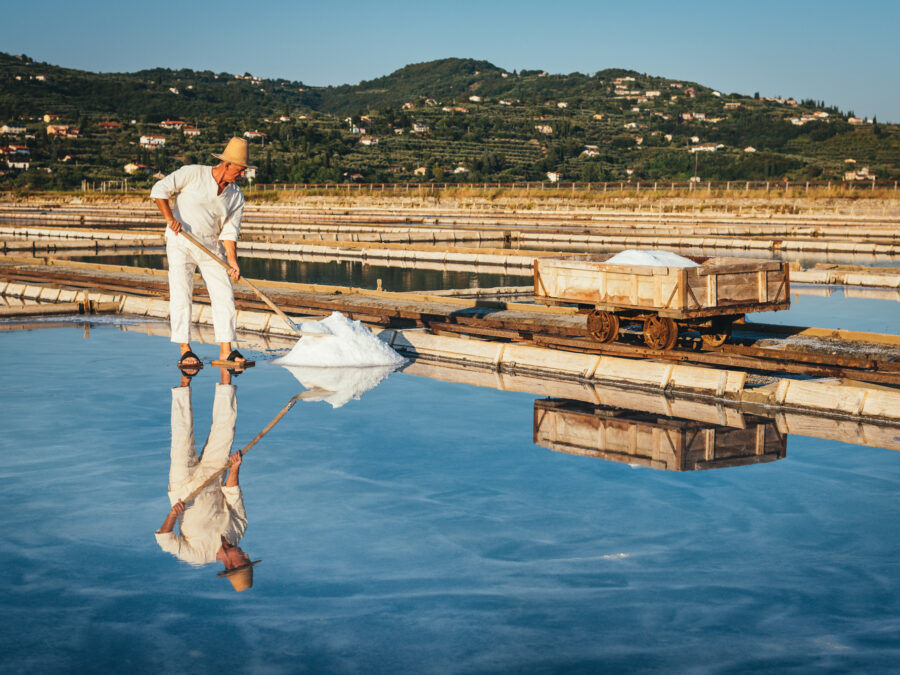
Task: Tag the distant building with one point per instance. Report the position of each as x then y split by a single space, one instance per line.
408 106
252 135
545 129
706 147
368 140
419 128
12 129
173 124
460 169
149 141
108 126
190 132
133 169
562 104
421 171
554 177
476 99
749 148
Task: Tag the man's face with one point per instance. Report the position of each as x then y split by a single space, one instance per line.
233 172
232 556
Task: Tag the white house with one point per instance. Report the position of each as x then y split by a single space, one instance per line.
545 129
153 141
368 140
12 129
749 148
132 168
562 104
460 169
476 99
173 124
419 128
554 177
706 147
252 135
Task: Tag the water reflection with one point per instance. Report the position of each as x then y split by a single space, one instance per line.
652 440
207 520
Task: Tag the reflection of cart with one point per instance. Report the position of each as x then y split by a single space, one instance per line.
708 298
650 440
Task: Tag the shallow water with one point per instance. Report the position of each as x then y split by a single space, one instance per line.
420 529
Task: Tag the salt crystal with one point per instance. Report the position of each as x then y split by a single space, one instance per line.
651 257
349 344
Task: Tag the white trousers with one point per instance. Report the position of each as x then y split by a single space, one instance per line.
184 259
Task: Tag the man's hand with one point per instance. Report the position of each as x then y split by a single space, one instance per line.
174 225
234 271
234 466
169 523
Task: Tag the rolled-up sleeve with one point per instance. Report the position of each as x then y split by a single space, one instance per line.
170 185
231 228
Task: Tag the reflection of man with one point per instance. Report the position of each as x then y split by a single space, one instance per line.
213 523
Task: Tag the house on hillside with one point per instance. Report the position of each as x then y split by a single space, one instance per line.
19 150
421 171
408 106
149 141
368 140
591 151
705 147
133 169
284 118
50 117
545 129
554 176
476 99
173 124
108 126
420 128
191 132
562 104
57 129
253 135
12 129
460 169
749 148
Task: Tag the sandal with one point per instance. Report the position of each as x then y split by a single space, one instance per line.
185 367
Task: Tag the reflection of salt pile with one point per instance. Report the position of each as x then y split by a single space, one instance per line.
350 344
348 363
652 257
344 384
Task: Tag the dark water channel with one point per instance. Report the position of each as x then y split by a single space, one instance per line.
338 273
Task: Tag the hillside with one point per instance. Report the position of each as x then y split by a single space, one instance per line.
454 119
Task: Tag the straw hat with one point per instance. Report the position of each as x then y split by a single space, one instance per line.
236 152
240 577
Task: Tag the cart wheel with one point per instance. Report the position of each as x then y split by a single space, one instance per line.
603 326
721 332
660 332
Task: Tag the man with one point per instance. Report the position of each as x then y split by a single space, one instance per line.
209 205
213 523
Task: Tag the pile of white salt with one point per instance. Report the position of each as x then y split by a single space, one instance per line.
651 257
347 363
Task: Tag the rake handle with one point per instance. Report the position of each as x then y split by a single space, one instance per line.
261 295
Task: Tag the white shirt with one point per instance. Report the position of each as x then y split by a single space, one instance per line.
216 512
199 207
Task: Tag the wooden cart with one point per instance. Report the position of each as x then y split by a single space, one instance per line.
708 298
646 439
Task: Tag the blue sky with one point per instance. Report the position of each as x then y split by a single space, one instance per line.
844 53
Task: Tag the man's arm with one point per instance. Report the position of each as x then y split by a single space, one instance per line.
234 470
166 210
169 522
230 256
